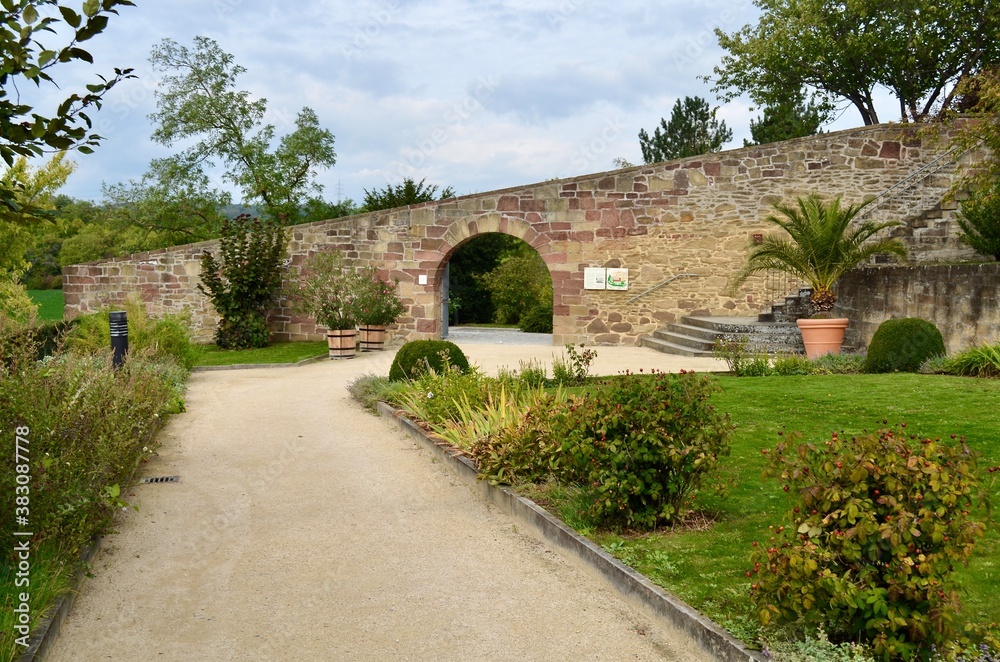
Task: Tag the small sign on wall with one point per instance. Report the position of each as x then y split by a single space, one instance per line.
594 278
617 279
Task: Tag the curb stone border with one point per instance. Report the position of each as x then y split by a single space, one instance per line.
251 366
634 586
47 632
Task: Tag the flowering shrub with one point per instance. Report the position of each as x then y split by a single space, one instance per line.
327 290
642 446
878 524
377 302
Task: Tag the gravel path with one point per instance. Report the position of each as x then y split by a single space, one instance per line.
304 528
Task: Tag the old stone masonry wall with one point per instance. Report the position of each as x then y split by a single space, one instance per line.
693 216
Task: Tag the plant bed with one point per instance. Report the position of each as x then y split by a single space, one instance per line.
704 557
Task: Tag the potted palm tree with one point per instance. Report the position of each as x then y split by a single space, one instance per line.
328 291
821 245
378 306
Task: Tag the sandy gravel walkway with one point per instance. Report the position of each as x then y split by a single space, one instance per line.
304 528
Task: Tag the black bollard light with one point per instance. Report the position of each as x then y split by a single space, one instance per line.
119 337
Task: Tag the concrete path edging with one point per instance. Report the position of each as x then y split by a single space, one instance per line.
630 584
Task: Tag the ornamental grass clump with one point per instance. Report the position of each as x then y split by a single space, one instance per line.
878 524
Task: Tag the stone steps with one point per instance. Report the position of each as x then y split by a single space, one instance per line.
696 336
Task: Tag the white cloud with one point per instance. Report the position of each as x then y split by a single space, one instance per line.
475 95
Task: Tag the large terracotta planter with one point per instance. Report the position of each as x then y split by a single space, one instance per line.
371 337
342 343
822 336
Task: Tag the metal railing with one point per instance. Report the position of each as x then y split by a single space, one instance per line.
658 286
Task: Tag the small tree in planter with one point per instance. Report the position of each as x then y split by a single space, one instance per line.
243 282
378 307
821 246
328 291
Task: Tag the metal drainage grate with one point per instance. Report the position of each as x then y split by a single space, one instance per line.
160 479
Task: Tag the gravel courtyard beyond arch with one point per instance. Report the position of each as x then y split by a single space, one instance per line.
304 528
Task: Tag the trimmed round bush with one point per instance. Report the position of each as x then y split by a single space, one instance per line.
413 358
903 345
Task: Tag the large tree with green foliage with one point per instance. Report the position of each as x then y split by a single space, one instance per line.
199 101
918 49
692 130
793 117
408 192
34 189
25 62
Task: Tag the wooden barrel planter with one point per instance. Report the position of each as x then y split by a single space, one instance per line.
342 343
372 337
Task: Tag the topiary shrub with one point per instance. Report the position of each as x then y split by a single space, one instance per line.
903 345
415 356
877 524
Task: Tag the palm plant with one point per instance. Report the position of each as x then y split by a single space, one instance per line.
820 248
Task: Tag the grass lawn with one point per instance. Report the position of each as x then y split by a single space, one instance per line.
286 352
51 303
706 567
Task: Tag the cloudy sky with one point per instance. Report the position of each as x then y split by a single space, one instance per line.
474 95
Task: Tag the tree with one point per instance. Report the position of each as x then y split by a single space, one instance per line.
243 282
470 299
33 200
199 101
820 247
24 62
791 118
692 130
170 204
980 221
519 283
919 49
401 195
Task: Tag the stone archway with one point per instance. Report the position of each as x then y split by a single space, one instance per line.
468 229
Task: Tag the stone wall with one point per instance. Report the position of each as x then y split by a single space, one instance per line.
961 299
693 216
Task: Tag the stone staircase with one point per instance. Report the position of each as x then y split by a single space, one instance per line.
696 336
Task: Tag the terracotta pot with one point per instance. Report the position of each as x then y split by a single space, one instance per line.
372 337
342 343
822 336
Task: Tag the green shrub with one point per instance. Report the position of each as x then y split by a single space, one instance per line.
538 319
416 356
982 361
243 282
641 446
792 364
980 221
370 389
902 345
15 302
741 361
168 336
839 364
877 525
574 368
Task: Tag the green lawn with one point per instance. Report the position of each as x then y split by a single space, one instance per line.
51 303
706 567
287 352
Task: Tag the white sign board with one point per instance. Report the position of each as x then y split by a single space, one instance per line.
593 278
617 279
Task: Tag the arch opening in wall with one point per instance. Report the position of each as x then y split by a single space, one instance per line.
496 279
